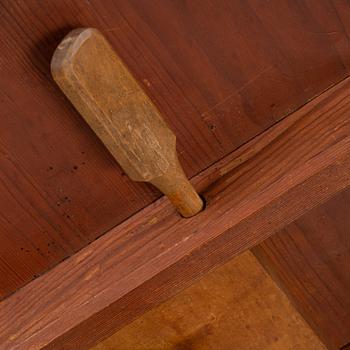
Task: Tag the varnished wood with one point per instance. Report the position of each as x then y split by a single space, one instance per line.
108 97
220 72
293 167
237 306
310 258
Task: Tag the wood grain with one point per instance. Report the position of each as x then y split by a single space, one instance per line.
273 180
237 306
219 71
310 258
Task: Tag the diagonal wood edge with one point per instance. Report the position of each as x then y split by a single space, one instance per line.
252 193
309 259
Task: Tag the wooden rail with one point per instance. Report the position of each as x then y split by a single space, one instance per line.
255 191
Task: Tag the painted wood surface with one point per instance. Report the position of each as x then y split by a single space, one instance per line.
293 167
220 73
310 258
237 306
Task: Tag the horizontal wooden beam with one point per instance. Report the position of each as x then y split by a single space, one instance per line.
268 183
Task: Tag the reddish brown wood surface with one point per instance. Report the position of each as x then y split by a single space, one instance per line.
269 183
311 259
220 72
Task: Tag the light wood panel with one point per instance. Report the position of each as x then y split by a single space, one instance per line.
237 306
311 260
220 72
269 183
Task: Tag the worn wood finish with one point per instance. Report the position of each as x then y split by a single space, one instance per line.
311 260
272 181
219 71
115 106
237 306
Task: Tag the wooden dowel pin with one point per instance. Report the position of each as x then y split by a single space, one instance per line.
105 93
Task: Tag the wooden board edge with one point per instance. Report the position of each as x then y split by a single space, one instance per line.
156 253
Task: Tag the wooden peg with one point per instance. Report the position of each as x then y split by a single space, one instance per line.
108 97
